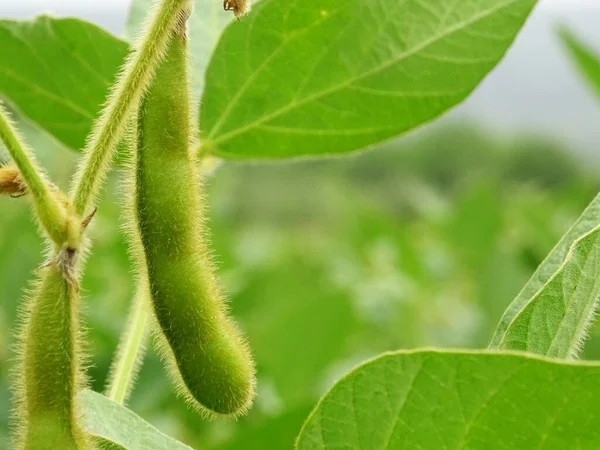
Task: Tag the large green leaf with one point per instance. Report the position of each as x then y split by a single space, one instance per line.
478 400
585 59
589 220
117 427
319 77
57 72
556 319
205 26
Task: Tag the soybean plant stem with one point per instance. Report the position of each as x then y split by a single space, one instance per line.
131 350
51 214
130 86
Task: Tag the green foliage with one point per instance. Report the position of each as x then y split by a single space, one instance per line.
328 77
277 96
327 263
106 420
368 249
212 363
453 400
555 320
78 61
544 273
586 60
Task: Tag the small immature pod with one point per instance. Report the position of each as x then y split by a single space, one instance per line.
209 356
48 374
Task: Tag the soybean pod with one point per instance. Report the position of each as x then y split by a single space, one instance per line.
49 374
207 352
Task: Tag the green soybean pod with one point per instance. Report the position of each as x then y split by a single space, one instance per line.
208 355
49 374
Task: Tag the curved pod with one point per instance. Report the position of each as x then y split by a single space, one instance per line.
207 352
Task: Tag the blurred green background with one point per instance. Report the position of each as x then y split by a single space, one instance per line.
422 242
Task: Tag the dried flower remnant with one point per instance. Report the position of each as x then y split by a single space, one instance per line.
11 182
239 7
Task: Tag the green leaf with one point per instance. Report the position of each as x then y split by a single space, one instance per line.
556 319
322 76
205 26
57 72
585 59
116 426
589 220
450 400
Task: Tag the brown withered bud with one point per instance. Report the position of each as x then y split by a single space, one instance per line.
239 7
11 182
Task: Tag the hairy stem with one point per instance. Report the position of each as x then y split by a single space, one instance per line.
51 214
131 84
131 350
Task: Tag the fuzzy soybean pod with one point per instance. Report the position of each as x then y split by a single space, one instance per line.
48 375
209 358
